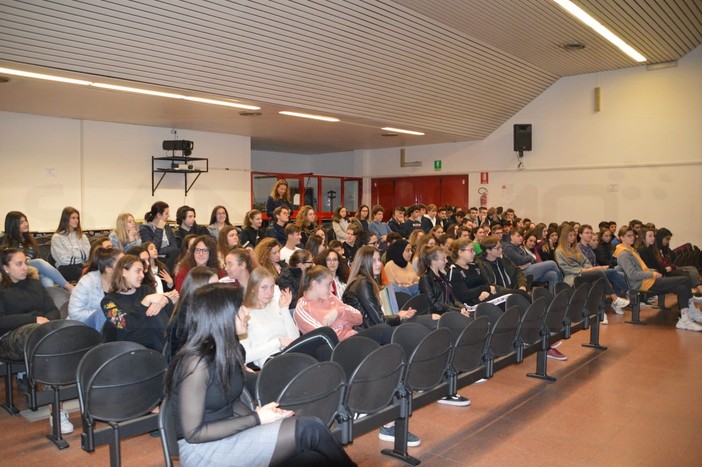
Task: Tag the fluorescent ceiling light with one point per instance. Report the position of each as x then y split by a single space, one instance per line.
29 74
314 117
225 103
576 11
398 130
137 90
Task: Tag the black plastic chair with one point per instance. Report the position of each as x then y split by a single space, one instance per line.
531 326
420 303
119 383
372 386
469 339
166 428
401 299
52 353
576 308
277 373
504 333
517 300
542 293
594 310
317 391
555 320
350 352
11 367
491 311
561 286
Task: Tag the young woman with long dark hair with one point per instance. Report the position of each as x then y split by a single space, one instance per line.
205 385
69 245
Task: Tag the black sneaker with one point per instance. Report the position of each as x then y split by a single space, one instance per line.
458 401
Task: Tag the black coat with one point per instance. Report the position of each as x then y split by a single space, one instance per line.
361 295
438 290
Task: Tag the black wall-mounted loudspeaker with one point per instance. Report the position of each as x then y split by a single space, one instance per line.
522 137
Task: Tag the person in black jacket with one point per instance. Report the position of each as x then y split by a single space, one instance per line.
157 230
433 281
252 231
469 284
24 304
500 271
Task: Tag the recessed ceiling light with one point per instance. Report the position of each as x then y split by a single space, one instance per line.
573 46
137 90
407 132
314 117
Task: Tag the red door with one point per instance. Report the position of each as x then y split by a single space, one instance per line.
454 190
383 193
428 190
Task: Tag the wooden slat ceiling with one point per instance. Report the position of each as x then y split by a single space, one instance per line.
455 69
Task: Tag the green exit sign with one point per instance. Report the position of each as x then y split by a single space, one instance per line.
437 165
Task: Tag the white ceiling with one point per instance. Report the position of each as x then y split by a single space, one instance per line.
454 69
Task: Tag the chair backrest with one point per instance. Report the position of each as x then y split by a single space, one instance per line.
576 306
420 303
427 364
532 322
53 351
454 322
372 385
401 299
317 391
278 372
491 311
555 316
409 335
350 352
470 346
561 286
119 381
541 292
595 298
518 300
166 428
504 332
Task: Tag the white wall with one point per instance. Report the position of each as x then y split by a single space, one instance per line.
103 169
646 141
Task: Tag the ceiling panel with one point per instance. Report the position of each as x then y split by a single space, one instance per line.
455 69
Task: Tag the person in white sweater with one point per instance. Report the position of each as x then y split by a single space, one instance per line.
69 245
271 327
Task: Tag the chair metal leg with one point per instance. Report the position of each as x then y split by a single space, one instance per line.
635 308
542 362
595 334
400 449
9 404
115 455
55 437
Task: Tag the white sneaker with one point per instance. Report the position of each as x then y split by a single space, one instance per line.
66 425
693 314
458 401
687 324
618 304
604 319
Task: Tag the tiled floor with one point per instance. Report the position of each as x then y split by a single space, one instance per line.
639 403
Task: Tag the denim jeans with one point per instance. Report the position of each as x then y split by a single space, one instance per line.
49 275
546 271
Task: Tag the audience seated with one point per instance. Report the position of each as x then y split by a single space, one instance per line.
291 277
657 255
157 231
238 265
643 279
252 232
499 271
227 239
399 269
280 196
267 255
202 252
363 217
17 235
468 284
164 280
318 306
307 222
340 223
339 269
218 220
187 225
134 309
541 271
276 227
434 284
69 245
85 302
125 234
204 386
293 236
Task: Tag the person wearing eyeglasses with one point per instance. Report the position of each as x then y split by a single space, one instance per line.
202 252
651 281
469 284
